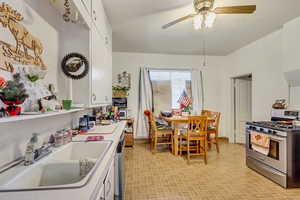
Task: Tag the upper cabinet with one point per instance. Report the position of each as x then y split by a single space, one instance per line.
94 42
101 69
291 49
87 5
99 17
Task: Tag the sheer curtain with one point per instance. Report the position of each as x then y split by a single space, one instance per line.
145 103
197 91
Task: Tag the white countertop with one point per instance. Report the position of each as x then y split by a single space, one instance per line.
76 193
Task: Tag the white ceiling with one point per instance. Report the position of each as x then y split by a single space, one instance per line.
137 25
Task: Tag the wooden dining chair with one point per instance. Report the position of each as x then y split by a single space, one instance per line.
213 128
160 135
195 138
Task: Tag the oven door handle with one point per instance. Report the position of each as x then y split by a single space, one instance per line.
276 139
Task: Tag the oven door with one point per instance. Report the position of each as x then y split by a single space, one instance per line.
277 154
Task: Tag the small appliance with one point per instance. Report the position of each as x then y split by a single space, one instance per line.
123 113
120 102
284 115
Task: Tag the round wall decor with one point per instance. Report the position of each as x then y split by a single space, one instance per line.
75 65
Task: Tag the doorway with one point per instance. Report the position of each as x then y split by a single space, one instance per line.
242 106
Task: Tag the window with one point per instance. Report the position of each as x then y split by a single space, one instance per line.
168 86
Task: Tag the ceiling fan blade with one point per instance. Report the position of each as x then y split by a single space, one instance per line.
178 20
236 10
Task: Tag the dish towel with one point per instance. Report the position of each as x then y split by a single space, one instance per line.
260 142
86 166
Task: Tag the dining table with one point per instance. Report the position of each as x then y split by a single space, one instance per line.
176 121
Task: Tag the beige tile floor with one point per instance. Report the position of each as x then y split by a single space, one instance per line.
163 176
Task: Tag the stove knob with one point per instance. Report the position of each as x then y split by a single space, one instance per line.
274 132
270 131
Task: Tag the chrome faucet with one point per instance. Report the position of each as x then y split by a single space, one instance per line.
30 149
34 153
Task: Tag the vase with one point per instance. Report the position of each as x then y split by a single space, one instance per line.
12 107
120 94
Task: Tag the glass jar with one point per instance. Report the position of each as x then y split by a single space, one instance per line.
59 138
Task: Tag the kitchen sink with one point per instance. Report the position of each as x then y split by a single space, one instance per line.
51 174
61 168
82 150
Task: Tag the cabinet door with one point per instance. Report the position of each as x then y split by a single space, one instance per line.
99 16
101 70
101 194
109 185
87 5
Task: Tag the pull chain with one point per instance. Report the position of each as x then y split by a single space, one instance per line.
204 50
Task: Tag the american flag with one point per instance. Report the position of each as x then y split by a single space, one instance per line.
184 100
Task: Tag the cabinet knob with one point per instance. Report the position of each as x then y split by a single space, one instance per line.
94 97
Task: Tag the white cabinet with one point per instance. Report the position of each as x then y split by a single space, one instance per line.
100 194
96 45
101 69
105 188
87 5
109 184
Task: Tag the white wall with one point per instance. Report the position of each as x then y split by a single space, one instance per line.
291 47
43 22
131 62
266 59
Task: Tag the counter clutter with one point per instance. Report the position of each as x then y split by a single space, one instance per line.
59 174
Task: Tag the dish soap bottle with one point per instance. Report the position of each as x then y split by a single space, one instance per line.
30 150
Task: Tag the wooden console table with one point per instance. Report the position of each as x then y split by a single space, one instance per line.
129 133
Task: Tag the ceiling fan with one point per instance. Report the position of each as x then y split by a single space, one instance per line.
205 13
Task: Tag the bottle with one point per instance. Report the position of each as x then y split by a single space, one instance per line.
83 124
59 138
30 149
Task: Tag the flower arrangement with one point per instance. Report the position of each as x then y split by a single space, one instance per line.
187 109
13 93
14 90
2 82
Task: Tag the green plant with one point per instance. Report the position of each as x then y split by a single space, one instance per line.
14 90
187 109
32 78
118 88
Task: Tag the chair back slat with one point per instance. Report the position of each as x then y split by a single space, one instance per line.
213 115
153 122
197 125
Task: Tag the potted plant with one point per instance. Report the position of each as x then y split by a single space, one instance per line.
13 94
120 91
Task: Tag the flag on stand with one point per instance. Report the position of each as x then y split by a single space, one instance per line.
184 100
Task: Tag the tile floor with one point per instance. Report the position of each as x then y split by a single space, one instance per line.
163 176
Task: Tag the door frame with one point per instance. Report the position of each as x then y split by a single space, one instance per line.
233 124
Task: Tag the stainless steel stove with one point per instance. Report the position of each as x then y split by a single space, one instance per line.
281 126
282 163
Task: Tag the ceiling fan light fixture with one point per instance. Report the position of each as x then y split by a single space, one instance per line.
204 20
210 18
198 22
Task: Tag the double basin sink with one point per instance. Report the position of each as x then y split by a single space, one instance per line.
69 166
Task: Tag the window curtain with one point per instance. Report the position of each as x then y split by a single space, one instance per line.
145 103
197 91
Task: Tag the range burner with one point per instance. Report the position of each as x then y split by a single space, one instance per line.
275 125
